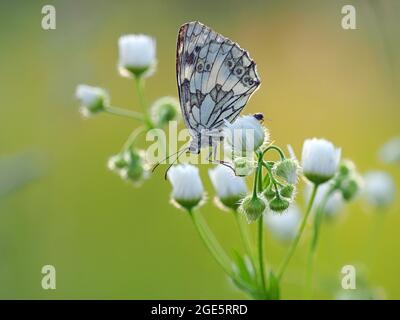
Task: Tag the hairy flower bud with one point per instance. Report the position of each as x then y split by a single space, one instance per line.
350 187
243 166
287 169
348 181
164 110
270 192
288 191
279 204
253 207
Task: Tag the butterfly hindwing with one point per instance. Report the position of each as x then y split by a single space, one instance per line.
215 77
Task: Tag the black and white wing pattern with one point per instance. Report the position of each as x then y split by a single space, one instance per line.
215 77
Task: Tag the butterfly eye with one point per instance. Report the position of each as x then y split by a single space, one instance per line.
239 71
208 67
230 63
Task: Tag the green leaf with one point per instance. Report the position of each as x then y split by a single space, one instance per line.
273 288
244 269
266 181
246 276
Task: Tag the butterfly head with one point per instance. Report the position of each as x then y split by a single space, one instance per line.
259 116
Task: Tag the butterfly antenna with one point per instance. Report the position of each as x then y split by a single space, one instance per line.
226 164
166 158
173 162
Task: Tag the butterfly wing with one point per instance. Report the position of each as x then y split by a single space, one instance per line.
215 77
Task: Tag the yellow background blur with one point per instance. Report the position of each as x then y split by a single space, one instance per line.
108 239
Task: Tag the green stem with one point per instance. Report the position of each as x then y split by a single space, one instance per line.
261 254
298 235
276 148
260 238
139 85
245 238
212 244
132 137
314 240
271 176
124 113
255 183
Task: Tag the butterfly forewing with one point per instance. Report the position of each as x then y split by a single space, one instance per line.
215 77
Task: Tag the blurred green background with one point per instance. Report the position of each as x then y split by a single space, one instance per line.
108 239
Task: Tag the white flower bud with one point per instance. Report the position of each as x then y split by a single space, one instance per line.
320 160
92 99
284 226
390 151
137 55
187 188
379 188
245 135
230 189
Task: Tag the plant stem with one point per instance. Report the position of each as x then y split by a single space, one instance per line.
132 137
273 180
261 253
212 244
245 238
298 235
255 183
139 85
314 240
276 148
124 113
260 238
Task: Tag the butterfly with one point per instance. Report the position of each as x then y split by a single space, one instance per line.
215 78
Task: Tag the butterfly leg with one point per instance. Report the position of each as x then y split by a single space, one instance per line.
212 158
